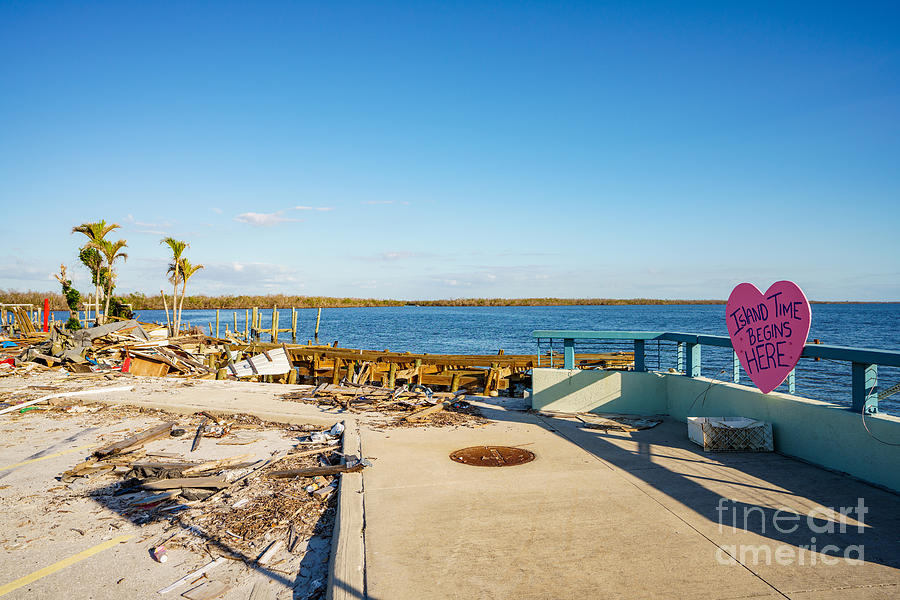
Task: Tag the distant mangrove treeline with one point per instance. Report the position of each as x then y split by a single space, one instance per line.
200 302
140 301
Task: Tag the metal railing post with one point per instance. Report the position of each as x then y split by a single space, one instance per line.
640 361
692 355
568 353
736 367
864 387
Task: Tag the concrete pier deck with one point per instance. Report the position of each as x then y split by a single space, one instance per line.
597 514
615 515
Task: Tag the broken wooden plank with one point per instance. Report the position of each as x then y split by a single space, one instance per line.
136 441
207 590
323 492
420 414
21 405
156 498
185 482
197 436
314 451
270 552
313 471
216 464
142 367
193 575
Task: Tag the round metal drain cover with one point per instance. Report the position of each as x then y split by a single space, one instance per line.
492 456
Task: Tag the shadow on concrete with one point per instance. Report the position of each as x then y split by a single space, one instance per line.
809 484
118 497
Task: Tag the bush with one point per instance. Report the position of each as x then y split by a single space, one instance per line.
119 309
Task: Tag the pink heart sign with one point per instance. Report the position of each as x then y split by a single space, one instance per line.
768 331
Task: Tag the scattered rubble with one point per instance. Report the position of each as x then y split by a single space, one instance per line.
406 406
243 509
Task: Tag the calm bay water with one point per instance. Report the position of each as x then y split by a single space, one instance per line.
477 330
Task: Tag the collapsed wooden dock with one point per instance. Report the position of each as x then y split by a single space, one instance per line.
486 373
146 349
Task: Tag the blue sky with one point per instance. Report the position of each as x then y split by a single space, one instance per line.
408 150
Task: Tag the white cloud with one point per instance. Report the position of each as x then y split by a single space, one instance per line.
378 202
158 225
265 219
396 255
15 271
242 276
318 208
216 210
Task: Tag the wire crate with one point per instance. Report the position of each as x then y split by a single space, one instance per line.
730 434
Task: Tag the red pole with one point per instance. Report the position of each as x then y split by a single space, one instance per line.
46 314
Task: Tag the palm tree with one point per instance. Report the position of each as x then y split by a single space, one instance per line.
177 247
174 275
187 271
93 260
111 251
95 233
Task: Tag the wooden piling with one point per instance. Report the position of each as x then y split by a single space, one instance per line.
318 318
247 324
293 325
235 323
336 372
392 375
274 333
454 382
254 329
217 322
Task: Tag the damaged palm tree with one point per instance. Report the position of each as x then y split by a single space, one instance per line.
179 272
71 296
187 271
111 252
91 257
177 247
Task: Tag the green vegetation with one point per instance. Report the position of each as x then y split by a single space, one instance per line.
141 301
72 298
92 254
180 271
118 308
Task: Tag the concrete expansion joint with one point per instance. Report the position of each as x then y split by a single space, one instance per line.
840 588
347 567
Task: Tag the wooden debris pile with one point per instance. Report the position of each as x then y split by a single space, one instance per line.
607 422
124 346
236 506
408 405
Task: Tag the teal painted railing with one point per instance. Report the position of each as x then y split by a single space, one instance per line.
864 361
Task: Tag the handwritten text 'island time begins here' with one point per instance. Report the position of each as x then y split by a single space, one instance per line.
766 338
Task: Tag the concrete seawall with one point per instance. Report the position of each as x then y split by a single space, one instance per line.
814 431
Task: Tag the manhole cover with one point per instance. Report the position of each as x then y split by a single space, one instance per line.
492 456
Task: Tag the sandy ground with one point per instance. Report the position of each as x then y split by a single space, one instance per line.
45 520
